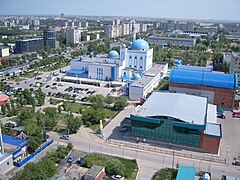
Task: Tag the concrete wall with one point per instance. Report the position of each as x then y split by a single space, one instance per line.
202 93
6 164
222 97
92 73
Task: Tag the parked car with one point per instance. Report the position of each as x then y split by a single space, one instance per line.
11 124
64 137
221 115
70 159
117 177
236 113
236 162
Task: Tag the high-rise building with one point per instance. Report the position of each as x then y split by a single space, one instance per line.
29 45
84 24
111 31
143 27
49 37
62 15
73 36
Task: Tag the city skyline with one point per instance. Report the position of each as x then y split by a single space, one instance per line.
186 9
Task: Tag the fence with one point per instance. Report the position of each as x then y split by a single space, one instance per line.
204 157
24 161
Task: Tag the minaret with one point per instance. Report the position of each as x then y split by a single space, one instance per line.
1 141
133 31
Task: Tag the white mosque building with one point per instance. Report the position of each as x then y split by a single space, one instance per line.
134 65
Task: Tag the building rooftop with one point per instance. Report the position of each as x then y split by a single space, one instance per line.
200 78
171 38
149 75
213 129
32 39
186 173
15 141
94 171
176 105
195 68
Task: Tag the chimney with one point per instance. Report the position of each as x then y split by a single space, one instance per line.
1 141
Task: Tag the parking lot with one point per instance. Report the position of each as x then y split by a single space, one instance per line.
57 88
230 146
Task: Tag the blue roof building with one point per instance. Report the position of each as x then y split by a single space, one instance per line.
203 78
219 88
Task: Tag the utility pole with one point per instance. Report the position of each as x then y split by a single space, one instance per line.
172 166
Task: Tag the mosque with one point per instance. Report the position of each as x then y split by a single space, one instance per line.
134 65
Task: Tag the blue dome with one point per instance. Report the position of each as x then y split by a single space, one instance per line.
136 76
113 54
139 44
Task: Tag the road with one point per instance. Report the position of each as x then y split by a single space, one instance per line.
149 162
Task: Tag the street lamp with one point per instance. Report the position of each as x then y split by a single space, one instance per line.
172 166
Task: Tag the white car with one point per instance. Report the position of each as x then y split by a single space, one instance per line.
117 177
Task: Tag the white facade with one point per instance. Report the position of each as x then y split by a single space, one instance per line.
4 52
133 65
234 61
73 36
111 31
164 41
6 163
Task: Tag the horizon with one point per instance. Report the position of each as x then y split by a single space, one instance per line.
210 10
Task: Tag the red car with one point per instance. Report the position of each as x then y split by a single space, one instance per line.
236 113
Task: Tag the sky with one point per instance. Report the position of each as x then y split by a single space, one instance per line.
180 9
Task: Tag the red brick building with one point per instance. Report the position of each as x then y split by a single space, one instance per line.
220 89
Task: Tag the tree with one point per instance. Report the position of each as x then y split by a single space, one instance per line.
8 106
96 100
217 59
109 100
169 54
59 109
92 115
3 109
51 117
225 67
121 102
73 124
34 144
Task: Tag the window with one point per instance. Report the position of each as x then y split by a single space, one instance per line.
8 163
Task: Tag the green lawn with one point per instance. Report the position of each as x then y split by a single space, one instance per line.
61 125
114 165
74 107
165 174
55 101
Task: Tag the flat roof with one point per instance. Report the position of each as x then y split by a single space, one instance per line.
94 171
213 129
186 173
93 61
211 113
148 75
195 68
188 108
15 141
32 39
171 38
